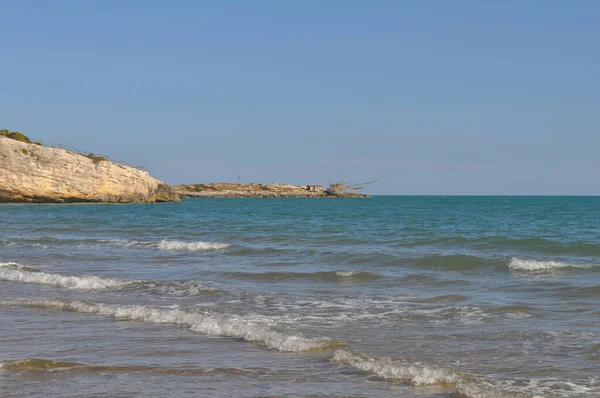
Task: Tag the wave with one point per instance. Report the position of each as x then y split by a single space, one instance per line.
17 273
251 330
164 244
208 323
578 292
432 280
350 274
243 251
46 365
495 243
37 364
454 262
176 288
536 265
443 299
418 374
331 276
190 246
386 368
171 245
548 246
512 309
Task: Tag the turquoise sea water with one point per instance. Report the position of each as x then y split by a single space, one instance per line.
390 296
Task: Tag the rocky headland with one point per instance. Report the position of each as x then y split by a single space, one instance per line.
233 190
30 172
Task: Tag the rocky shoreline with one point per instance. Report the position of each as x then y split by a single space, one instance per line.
33 173
232 190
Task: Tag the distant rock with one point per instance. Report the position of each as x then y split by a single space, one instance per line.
30 172
232 190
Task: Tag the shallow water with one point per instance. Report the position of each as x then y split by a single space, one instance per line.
390 296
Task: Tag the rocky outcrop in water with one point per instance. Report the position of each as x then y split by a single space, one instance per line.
232 190
35 173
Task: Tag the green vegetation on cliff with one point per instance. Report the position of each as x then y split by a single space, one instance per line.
96 159
15 135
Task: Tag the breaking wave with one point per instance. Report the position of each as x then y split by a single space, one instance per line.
208 323
176 288
170 245
164 244
190 246
418 374
252 330
350 274
536 265
17 273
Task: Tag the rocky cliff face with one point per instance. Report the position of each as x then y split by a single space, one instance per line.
33 173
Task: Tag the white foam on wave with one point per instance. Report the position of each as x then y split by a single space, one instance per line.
165 244
418 374
184 289
348 274
168 245
536 265
209 323
11 264
18 273
190 246
386 368
478 387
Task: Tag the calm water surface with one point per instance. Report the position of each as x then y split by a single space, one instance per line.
390 296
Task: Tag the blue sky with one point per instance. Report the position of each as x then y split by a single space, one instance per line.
453 97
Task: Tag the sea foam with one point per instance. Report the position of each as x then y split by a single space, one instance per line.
209 323
17 273
418 374
168 245
387 368
190 246
349 274
536 265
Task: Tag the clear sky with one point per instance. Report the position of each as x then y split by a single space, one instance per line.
453 97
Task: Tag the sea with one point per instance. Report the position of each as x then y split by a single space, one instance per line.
393 296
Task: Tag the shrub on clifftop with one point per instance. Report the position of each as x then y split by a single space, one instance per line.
19 137
15 135
96 159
